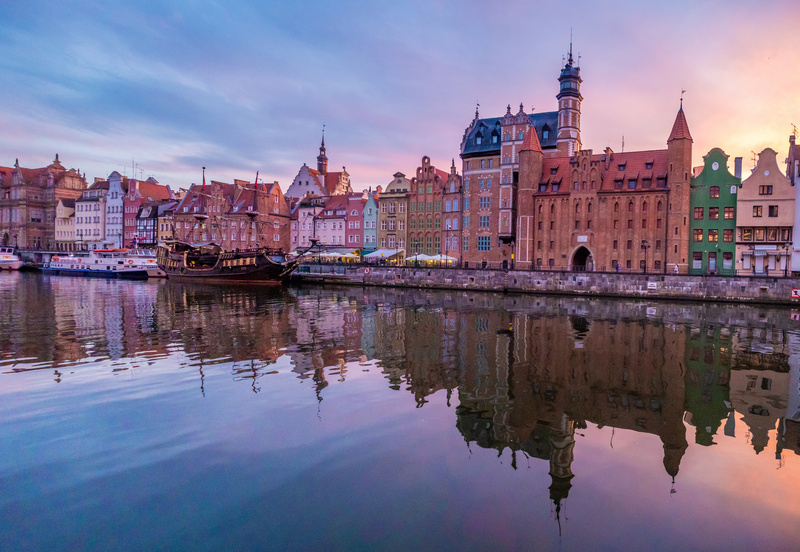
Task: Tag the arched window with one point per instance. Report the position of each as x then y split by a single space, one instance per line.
659 206
540 208
577 208
616 207
630 207
552 208
589 208
644 206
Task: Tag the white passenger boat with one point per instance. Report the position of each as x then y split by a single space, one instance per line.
9 260
100 263
145 258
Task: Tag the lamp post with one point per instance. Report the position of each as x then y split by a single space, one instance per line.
787 245
15 241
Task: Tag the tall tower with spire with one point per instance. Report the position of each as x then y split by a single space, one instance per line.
569 107
679 175
322 159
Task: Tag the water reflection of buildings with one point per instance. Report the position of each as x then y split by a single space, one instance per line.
530 372
526 371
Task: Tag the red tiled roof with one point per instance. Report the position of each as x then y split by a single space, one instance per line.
531 141
680 129
152 191
331 181
634 167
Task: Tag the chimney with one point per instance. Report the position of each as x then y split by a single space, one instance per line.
737 167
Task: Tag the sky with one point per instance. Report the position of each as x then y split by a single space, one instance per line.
246 86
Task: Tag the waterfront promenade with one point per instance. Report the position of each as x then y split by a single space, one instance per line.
749 289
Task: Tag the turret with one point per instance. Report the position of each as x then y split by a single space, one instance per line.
569 108
322 159
679 174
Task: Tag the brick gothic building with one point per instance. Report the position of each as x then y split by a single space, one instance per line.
425 230
533 198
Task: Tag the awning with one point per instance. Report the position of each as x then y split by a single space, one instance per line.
385 253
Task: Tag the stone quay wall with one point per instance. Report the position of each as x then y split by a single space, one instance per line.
756 289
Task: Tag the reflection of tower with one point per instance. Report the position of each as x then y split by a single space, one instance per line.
561 456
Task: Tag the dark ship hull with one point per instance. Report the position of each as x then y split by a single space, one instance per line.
207 263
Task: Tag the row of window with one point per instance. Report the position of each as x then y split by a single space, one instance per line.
758 211
647 183
712 235
423 206
388 207
392 244
713 213
766 234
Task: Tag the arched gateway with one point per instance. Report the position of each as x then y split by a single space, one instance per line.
582 260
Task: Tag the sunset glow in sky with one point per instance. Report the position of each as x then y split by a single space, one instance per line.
245 86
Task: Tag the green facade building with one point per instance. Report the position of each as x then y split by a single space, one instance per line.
712 225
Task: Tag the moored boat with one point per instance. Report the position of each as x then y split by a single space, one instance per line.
9 259
208 262
100 263
146 258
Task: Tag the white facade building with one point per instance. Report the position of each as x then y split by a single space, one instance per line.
114 212
90 217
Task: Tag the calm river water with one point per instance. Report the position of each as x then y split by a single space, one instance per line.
160 416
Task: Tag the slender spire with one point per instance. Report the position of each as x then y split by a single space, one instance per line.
570 47
322 158
477 106
680 129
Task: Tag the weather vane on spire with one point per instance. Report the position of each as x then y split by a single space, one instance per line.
683 91
570 45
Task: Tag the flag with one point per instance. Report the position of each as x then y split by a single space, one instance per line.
256 179
204 178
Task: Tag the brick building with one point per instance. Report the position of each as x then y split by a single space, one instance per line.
425 209
534 199
236 216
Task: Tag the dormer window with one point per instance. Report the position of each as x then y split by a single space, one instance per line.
632 184
621 167
649 166
478 139
554 170
495 137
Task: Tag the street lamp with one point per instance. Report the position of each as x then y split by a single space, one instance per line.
645 247
787 245
15 241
